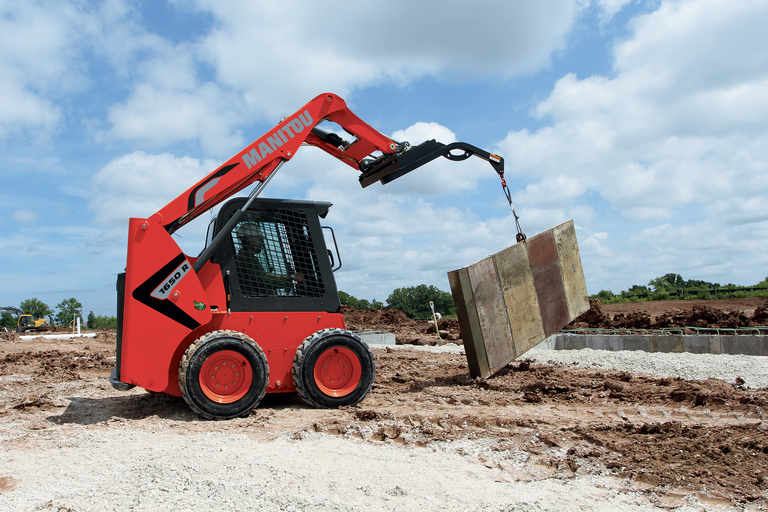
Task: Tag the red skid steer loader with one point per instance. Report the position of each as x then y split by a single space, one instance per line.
258 310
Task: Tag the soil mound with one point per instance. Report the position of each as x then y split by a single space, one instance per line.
407 331
699 316
362 319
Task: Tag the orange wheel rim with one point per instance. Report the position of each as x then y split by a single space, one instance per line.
226 377
337 371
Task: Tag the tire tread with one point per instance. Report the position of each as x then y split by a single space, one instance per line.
199 343
298 363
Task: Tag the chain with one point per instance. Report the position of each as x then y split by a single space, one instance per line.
520 235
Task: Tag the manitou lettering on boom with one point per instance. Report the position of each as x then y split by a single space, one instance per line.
278 138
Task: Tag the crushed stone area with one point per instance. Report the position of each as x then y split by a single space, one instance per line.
555 430
744 371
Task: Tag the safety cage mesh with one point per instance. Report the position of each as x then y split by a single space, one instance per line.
274 255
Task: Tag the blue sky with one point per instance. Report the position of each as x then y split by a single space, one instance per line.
646 122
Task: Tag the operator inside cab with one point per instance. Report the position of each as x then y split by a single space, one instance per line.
261 260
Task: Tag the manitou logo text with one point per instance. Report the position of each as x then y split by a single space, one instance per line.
280 136
164 290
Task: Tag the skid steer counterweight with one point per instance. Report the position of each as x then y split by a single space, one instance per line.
258 310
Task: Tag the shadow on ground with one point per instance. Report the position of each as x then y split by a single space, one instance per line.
89 411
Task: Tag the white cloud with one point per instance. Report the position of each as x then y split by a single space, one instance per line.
172 99
641 137
172 105
139 184
675 139
25 216
366 42
609 8
38 62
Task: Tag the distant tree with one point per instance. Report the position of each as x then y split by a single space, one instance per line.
36 308
604 295
91 322
344 298
68 310
639 290
348 300
668 283
8 321
103 322
695 284
414 301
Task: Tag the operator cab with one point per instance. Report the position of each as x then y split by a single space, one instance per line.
275 257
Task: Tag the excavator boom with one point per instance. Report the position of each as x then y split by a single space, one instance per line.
12 310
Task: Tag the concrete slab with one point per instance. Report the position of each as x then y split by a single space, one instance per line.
57 336
747 345
701 345
751 345
377 337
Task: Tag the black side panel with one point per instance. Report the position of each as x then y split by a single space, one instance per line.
277 258
191 199
143 294
120 304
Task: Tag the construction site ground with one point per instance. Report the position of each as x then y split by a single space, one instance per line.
538 436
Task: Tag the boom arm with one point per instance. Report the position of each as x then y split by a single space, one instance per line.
260 159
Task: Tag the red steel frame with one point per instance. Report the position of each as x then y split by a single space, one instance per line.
160 318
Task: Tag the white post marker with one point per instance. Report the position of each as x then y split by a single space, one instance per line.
434 317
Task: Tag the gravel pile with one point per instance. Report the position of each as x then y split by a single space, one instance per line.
751 369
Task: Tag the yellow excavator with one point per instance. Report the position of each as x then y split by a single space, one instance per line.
26 322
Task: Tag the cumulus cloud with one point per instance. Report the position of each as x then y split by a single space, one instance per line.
173 96
675 135
364 43
172 105
38 62
609 8
139 184
640 136
270 58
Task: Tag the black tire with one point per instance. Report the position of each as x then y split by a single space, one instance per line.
209 399
350 350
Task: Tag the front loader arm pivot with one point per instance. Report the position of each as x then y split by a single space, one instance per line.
388 168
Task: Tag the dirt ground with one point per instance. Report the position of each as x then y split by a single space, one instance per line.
668 438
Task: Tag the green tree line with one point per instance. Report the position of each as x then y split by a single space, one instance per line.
413 301
62 315
673 286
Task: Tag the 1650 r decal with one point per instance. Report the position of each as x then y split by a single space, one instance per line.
164 290
157 288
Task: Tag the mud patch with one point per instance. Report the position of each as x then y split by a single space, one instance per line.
54 365
7 484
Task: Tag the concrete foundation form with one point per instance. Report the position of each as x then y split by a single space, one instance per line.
750 345
377 337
